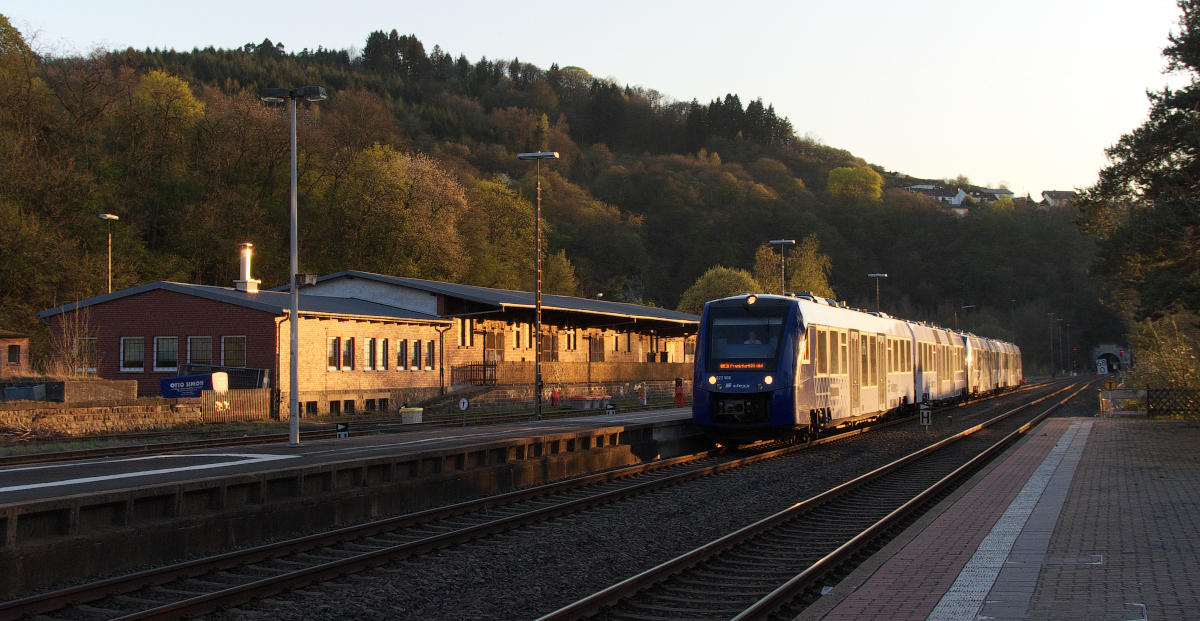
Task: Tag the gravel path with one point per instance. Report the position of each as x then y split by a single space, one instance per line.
534 570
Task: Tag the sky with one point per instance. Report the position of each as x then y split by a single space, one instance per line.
1029 93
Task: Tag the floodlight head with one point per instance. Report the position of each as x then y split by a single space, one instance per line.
274 95
109 216
540 155
778 242
876 275
311 93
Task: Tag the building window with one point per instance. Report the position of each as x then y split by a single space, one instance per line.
166 353
85 355
370 362
416 356
529 336
466 332
429 364
402 354
348 354
333 350
14 354
133 354
383 356
628 342
516 336
200 350
233 351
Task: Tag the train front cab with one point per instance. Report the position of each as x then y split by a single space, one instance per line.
745 384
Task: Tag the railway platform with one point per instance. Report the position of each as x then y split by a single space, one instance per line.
1085 518
64 520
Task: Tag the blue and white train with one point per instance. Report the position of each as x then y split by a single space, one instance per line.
784 367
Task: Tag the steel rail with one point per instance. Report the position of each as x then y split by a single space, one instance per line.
51 601
594 603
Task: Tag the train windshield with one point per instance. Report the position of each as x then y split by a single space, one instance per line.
744 338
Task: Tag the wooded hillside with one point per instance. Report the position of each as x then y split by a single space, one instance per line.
409 169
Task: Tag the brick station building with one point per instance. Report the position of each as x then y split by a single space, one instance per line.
14 354
370 341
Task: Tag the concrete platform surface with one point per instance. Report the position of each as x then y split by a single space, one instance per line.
44 481
1085 518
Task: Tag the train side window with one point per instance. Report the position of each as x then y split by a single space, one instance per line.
845 356
805 355
822 352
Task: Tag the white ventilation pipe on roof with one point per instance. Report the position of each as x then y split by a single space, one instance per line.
246 283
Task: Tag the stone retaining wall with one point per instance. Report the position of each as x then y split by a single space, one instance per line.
109 419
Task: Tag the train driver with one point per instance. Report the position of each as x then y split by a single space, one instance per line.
752 339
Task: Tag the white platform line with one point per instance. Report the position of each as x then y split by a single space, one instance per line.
965 597
247 459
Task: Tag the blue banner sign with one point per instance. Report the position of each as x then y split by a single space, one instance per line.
188 386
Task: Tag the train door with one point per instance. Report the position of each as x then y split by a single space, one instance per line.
855 373
883 369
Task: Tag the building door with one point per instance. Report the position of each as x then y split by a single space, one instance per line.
881 361
856 370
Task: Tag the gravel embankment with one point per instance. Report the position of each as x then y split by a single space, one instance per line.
531 571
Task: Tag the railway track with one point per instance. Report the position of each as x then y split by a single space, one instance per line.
760 571
209 584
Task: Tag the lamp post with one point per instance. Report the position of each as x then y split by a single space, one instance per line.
279 95
1012 315
964 314
537 299
108 217
783 244
1059 323
1052 324
877 277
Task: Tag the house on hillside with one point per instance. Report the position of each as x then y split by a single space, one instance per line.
370 341
937 193
1058 198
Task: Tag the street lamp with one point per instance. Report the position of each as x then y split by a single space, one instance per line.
877 277
964 314
108 217
1052 324
279 95
537 299
1012 315
782 243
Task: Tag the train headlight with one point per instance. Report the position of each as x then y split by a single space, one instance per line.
712 379
752 299
769 379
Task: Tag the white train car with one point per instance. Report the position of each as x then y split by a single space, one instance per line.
853 364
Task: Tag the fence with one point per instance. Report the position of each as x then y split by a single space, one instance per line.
236 405
1172 401
521 373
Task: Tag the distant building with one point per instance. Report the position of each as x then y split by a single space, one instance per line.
14 354
1058 198
937 193
368 341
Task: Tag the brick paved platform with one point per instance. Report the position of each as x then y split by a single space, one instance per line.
1086 518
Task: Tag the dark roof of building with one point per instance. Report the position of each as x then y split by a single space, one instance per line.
9 334
1059 194
939 191
523 299
274 302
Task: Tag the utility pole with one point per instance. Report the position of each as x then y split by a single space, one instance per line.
783 244
877 277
